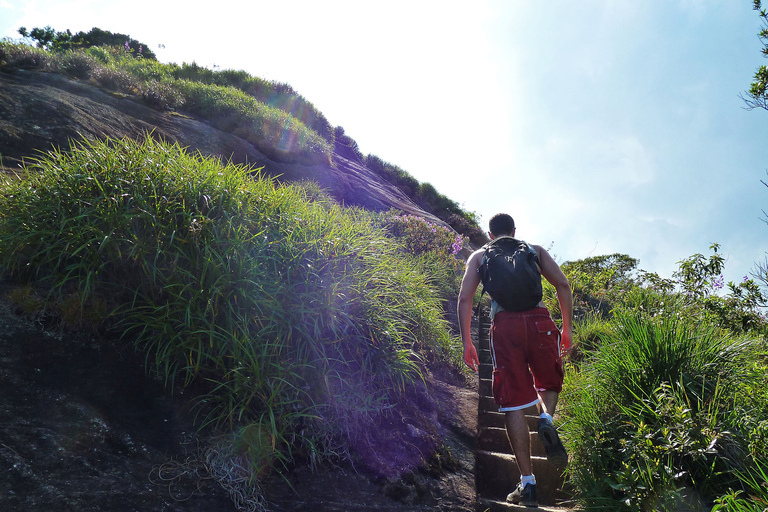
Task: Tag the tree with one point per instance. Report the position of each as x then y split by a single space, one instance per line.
757 95
52 40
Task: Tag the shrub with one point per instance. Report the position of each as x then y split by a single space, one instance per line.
467 225
116 79
161 95
346 146
76 64
431 248
21 56
653 415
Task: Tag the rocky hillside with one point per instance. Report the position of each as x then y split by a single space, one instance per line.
82 427
40 110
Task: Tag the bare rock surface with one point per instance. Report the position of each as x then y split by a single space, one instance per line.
84 428
39 111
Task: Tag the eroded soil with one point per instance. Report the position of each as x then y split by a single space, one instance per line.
83 428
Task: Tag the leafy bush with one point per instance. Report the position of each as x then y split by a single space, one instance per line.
21 56
76 64
346 146
116 79
161 95
419 235
654 415
300 316
467 225
431 249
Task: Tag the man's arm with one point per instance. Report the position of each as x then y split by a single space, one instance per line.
552 273
469 284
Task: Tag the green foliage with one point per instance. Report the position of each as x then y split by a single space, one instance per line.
753 499
346 146
654 414
612 283
757 96
698 276
21 56
420 236
271 130
50 39
673 374
599 282
431 249
278 132
273 94
302 318
427 196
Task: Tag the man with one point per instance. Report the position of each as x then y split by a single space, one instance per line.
526 349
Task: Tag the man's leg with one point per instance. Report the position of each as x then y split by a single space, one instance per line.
548 401
548 436
520 438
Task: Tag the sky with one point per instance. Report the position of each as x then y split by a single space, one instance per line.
601 126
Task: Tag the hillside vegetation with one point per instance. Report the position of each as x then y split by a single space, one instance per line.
272 116
665 405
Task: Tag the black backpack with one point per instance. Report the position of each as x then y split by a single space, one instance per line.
509 271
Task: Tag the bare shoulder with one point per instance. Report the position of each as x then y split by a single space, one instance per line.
549 267
541 251
473 262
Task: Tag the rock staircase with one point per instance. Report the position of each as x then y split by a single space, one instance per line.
496 473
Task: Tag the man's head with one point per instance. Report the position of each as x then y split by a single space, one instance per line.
502 224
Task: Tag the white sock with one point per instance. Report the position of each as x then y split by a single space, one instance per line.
527 479
548 416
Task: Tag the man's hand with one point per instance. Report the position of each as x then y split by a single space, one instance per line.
566 342
470 356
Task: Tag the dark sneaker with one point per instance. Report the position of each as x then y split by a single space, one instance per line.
556 453
526 496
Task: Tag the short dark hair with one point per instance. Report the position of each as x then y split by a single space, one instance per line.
501 224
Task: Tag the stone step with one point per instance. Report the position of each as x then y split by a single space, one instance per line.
490 419
486 505
486 387
496 475
486 403
494 439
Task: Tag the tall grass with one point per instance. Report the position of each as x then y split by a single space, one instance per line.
299 317
656 417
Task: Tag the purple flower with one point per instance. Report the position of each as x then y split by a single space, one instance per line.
127 46
457 245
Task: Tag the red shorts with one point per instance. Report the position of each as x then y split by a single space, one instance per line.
526 357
